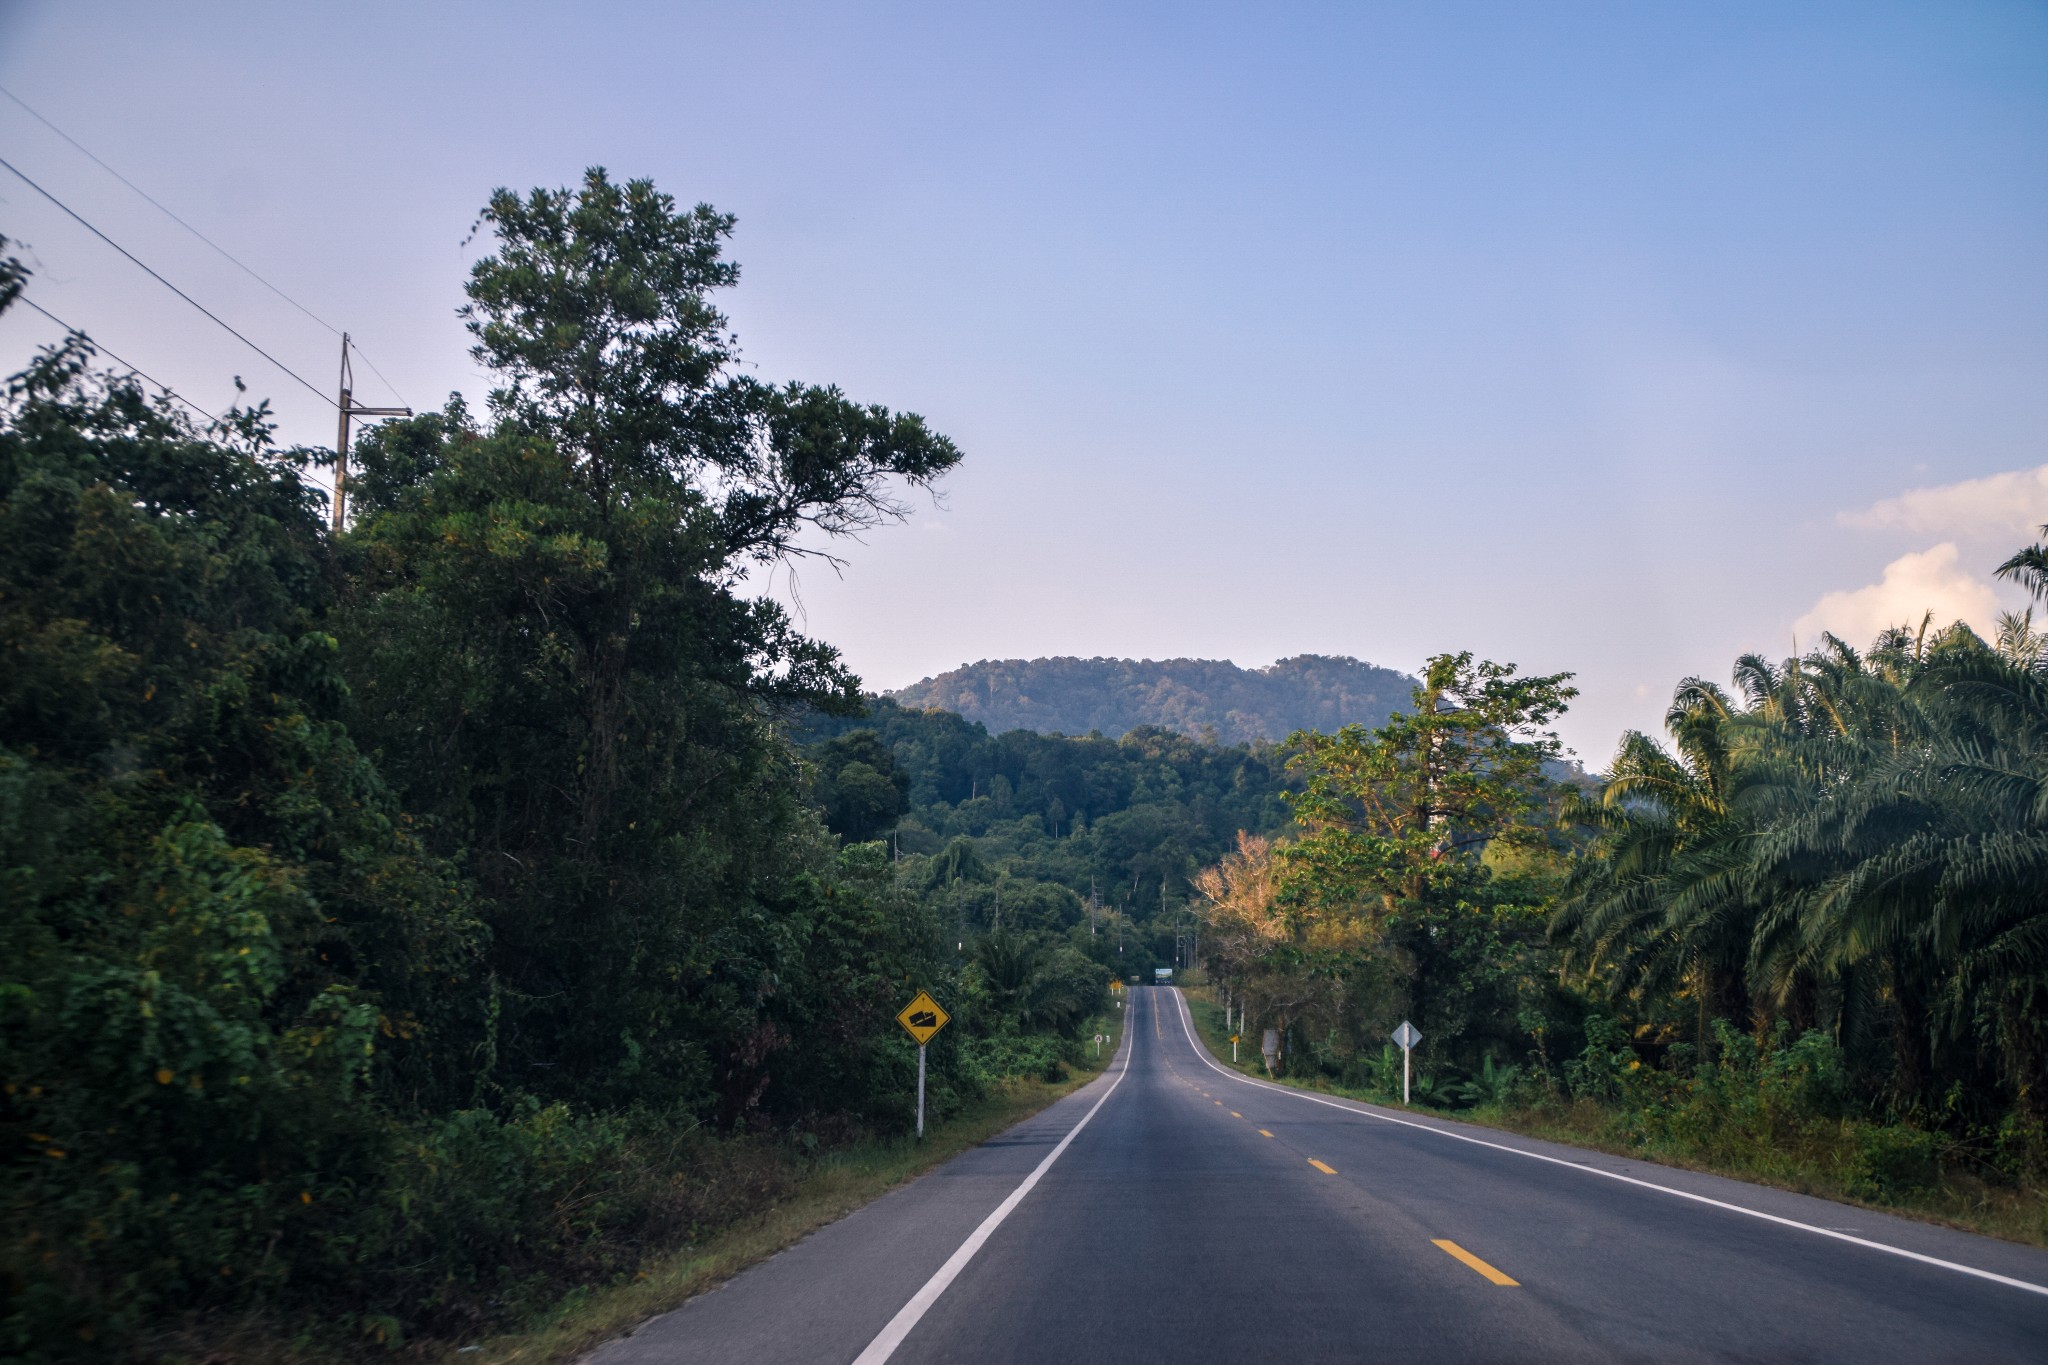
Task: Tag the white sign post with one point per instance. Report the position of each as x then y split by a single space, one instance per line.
922 1018
1407 1036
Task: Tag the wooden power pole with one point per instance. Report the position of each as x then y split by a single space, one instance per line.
348 410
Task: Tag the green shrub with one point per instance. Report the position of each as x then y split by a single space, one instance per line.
1008 1054
1603 1070
1888 1163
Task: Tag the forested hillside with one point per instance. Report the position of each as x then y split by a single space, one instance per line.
1196 697
1092 836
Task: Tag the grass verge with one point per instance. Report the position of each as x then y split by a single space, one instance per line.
1822 1159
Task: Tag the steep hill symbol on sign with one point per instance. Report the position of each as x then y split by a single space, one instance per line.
922 1018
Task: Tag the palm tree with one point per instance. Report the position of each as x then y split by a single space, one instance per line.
1659 907
1940 854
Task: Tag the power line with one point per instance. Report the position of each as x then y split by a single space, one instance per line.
23 298
87 154
230 256
75 215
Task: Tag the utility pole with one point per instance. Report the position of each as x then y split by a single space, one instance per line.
1176 922
348 408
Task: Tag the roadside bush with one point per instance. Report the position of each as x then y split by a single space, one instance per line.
1890 1163
1604 1070
1005 1054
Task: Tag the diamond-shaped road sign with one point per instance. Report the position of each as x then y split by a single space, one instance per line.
1406 1035
922 1018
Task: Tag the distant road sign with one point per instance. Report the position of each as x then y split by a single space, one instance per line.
922 1018
1407 1036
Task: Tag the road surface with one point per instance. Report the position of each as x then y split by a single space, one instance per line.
1174 1211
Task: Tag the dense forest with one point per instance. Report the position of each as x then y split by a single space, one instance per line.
1203 698
1098 838
1804 937
408 922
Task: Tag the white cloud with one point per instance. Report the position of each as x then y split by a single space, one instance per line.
1913 584
2013 504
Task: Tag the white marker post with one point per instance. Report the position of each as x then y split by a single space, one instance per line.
1407 1037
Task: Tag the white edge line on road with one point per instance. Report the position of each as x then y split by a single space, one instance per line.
889 1338
1202 1053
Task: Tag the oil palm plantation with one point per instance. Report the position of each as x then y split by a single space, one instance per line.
1856 842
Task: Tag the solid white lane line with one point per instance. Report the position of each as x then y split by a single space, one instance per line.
1202 1054
890 1337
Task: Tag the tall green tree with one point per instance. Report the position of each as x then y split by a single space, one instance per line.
1393 829
551 650
1384 813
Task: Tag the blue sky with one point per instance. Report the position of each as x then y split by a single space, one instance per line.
1616 338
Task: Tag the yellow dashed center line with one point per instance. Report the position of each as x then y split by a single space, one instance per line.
1234 1114
1459 1253
1328 1171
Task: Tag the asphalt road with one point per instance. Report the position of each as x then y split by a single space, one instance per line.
1172 1210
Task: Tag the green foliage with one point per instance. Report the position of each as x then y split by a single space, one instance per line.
596 314
1386 814
1804 939
1030 831
403 927
1849 842
554 603
1413 885
213 905
859 787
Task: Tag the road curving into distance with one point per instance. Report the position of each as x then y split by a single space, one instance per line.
1174 1210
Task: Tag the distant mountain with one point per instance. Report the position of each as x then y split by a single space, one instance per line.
1074 696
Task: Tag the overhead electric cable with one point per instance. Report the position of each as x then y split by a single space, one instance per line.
22 298
230 256
76 216
87 153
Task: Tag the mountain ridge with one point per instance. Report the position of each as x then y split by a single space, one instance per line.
1066 694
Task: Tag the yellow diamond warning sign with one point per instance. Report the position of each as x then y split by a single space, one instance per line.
922 1017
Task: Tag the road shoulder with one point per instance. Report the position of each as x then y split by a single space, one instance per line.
1902 1228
